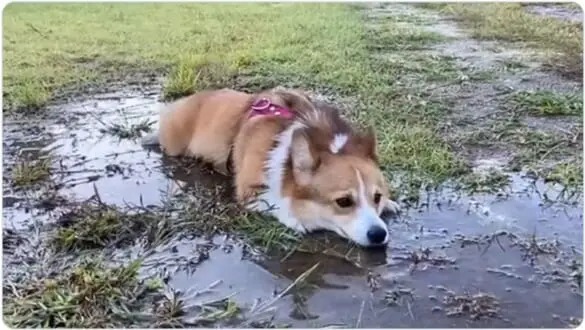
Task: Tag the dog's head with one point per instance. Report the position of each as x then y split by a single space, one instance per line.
335 181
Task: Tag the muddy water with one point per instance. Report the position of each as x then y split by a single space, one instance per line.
439 247
86 158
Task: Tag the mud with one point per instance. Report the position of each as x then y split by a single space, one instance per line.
511 259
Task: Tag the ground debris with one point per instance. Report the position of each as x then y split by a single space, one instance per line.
126 130
533 247
425 256
476 306
174 311
398 296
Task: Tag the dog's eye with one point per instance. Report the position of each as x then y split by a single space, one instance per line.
377 198
344 202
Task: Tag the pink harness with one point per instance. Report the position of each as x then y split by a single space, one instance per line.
263 107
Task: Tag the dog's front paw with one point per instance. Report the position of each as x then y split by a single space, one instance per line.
390 209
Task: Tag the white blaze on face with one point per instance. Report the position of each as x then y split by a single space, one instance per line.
339 140
366 216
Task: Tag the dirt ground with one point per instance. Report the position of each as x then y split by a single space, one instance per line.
99 231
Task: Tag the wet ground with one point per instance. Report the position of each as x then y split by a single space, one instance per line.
568 13
510 259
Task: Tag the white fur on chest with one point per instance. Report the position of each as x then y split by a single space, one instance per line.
272 200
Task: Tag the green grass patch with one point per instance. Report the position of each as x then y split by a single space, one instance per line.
532 150
311 46
87 296
561 40
548 103
97 226
422 68
267 232
568 174
31 95
126 129
194 74
62 44
27 173
418 150
403 37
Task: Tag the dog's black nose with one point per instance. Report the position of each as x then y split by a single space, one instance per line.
376 235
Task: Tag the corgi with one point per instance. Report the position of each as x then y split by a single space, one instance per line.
291 156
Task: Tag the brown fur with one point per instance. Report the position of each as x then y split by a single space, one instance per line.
333 175
324 160
207 124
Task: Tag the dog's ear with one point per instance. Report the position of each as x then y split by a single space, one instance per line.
295 98
302 93
304 157
368 144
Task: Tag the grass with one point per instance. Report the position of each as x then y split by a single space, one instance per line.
193 74
32 95
403 38
94 225
267 232
562 41
94 295
97 226
537 149
76 43
127 129
90 295
568 174
486 182
27 173
312 46
533 150
547 103
172 312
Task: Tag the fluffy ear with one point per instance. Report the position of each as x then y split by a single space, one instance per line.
305 160
302 93
294 98
369 144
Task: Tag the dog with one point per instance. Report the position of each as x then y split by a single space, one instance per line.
292 157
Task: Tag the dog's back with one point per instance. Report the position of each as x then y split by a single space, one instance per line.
203 124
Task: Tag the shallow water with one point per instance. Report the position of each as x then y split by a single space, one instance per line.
449 235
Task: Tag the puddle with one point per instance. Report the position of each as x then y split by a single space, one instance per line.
86 159
450 238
